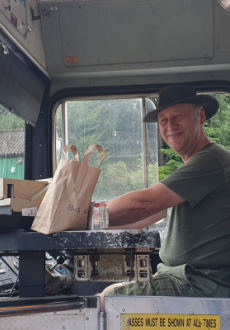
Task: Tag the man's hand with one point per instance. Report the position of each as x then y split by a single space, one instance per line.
139 205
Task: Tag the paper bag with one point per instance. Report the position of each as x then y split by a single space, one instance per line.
66 203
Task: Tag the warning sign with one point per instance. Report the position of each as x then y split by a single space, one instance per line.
170 322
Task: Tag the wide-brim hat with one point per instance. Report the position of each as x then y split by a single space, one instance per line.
178 94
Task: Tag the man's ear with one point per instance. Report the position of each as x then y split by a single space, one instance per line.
202 116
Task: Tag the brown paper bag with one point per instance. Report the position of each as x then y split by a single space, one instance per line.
66 203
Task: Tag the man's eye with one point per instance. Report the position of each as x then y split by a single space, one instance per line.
162 121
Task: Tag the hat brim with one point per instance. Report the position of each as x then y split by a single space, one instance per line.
209 103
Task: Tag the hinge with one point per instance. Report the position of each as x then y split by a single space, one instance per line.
44 13
6 49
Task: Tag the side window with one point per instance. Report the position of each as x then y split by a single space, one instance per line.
12 146
116 124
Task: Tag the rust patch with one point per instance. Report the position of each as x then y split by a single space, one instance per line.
109 278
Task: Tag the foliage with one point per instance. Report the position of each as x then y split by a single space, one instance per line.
117 126
217 129
116 179
9 121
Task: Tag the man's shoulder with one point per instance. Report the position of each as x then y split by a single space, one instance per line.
212 157
213 151
213 148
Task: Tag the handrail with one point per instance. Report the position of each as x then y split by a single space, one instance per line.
44 308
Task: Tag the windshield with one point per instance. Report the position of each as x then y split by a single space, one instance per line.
116 124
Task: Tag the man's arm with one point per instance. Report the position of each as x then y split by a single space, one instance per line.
157 217
139 205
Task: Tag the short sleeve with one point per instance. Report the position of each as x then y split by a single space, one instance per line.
198 178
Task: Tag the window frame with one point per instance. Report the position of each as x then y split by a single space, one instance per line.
63 102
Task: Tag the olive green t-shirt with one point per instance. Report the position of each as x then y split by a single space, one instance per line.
199 229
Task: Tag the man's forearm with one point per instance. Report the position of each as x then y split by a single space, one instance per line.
139 205
130 208
144 223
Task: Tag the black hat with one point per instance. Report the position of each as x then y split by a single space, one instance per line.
173 95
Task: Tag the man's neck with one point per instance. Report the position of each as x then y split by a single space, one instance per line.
202 143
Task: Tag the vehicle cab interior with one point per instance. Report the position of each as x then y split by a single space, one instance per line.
85 72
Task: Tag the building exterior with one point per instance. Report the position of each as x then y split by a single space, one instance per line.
12 151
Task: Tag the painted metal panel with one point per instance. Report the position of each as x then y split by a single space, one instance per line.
21 89
16 13
16 22
222 25
78 240
116 307
137 32
118 43
131 32
85 319
12 167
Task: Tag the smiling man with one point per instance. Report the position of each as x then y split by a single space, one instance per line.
181 127
195 255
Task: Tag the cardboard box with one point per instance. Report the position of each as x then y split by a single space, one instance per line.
22 194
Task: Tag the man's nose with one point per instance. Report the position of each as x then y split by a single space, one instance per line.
171 124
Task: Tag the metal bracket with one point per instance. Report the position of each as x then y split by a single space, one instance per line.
8 7
44 14
26 27
6 49
130 266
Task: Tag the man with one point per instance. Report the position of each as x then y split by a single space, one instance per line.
195 255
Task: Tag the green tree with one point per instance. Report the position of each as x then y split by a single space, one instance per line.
218 127
9 121
174 162
117 126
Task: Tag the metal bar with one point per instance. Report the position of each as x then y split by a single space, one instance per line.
144 136
8 240
101 321
46 308
5 278
32 241
32 274
54 138
31 301
65 125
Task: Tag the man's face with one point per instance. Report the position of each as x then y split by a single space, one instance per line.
181 127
